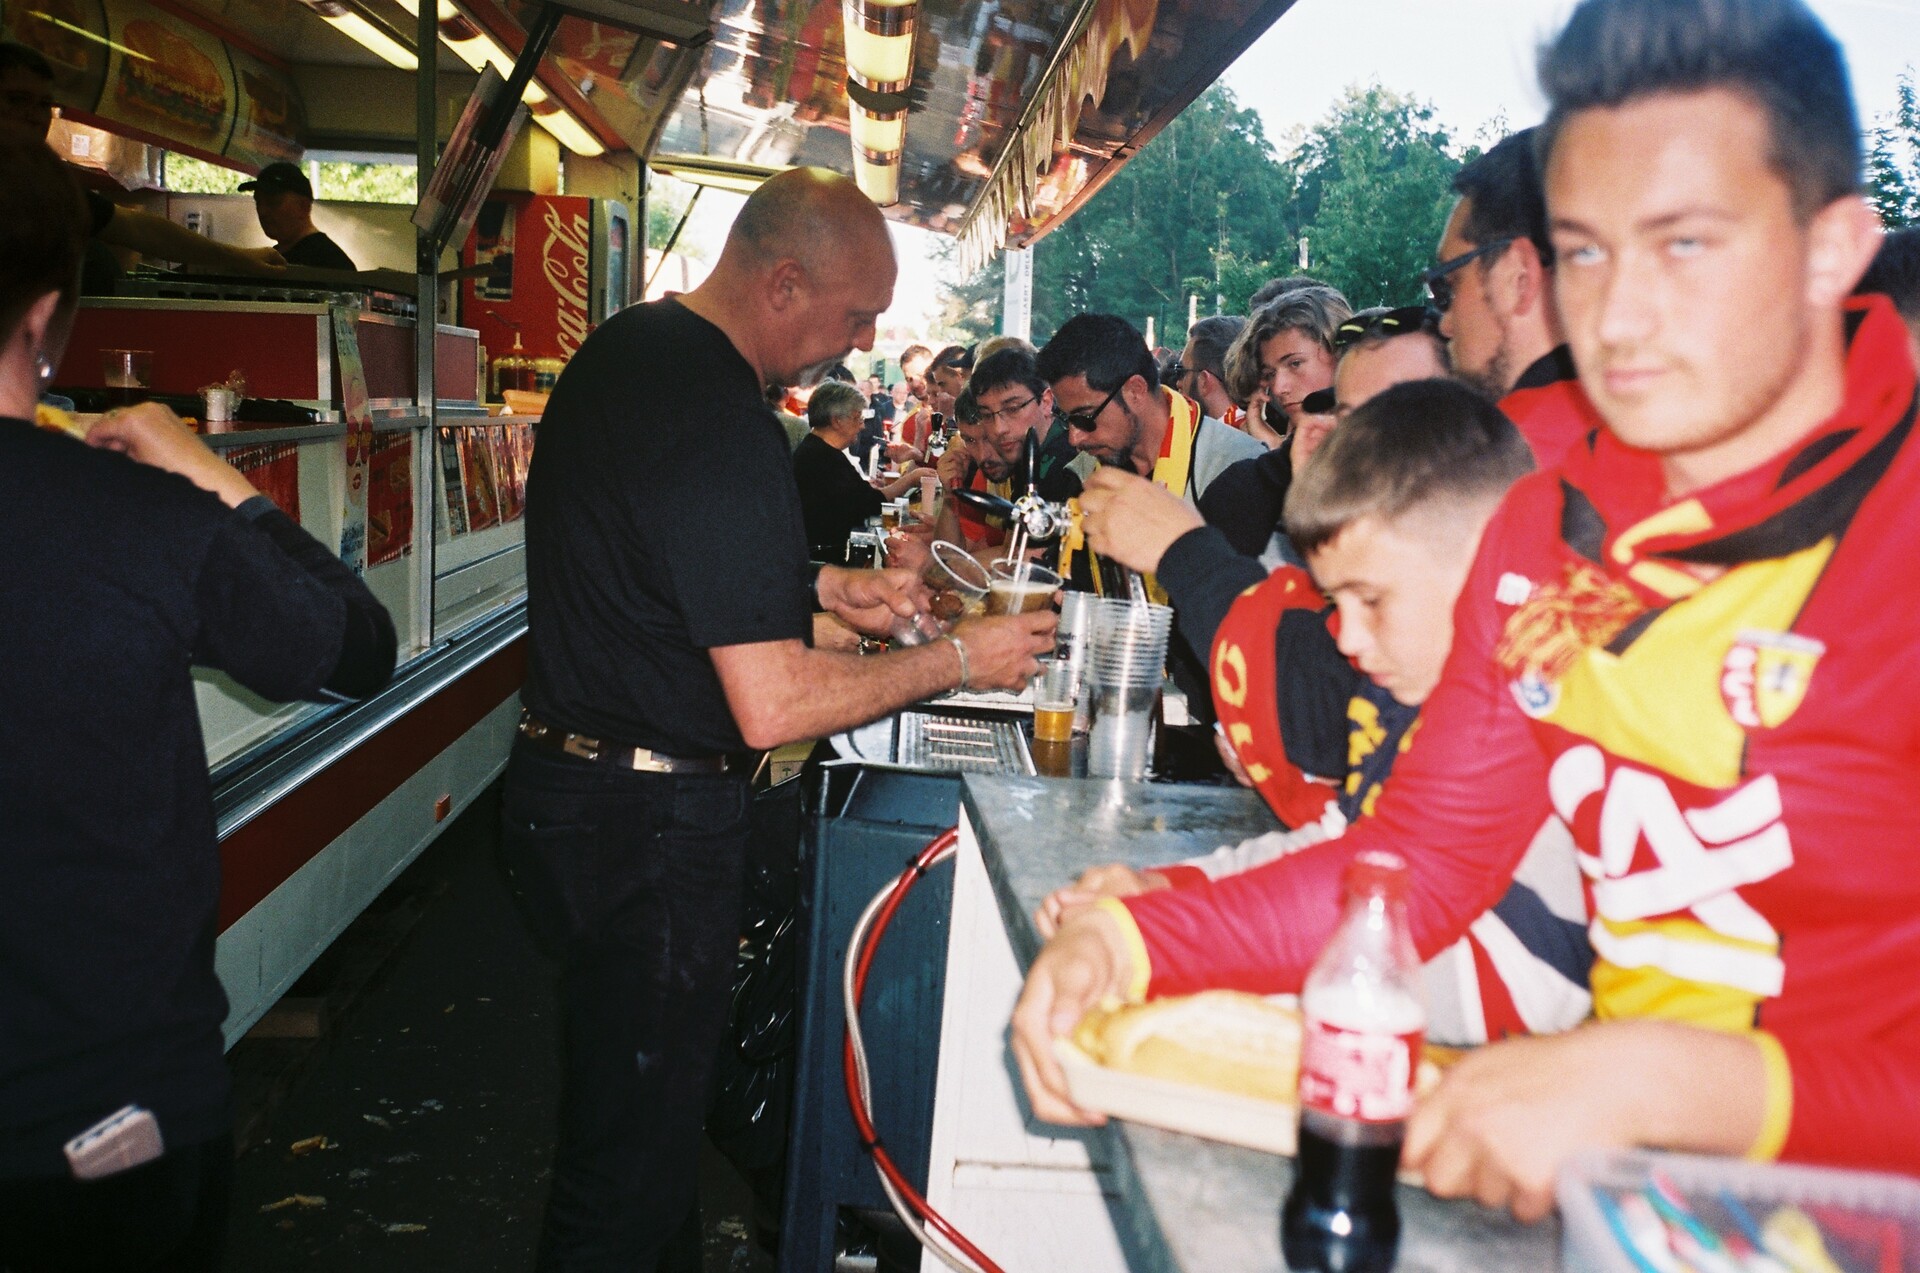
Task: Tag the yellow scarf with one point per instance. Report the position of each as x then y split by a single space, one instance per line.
1172 471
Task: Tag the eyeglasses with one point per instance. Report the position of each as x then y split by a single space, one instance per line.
1088 421
1383 322
1438 285
984 416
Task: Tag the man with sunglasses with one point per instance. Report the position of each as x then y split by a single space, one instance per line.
1104 379
1493 290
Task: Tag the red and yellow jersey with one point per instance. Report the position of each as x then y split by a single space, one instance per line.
1721 697
1248 694
1550 409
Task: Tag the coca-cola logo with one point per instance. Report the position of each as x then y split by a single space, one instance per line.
563 262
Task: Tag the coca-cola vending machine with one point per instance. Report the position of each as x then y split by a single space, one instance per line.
560 267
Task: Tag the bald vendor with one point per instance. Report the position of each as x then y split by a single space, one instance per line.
670 604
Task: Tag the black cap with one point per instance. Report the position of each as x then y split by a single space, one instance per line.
280 178
1319 402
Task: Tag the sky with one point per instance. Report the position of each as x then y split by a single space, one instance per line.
1472 60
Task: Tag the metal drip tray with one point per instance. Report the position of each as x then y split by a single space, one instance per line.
964 744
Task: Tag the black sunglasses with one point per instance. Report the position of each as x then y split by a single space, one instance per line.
1088 421
1440 287
1384 322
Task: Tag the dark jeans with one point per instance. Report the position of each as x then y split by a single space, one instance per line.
166 1216
634 881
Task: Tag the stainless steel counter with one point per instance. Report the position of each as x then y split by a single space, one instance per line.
1182 1203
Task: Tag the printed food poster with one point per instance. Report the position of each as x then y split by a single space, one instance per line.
390 498
274 470
476 472
270 118
453 487
359 442
168 77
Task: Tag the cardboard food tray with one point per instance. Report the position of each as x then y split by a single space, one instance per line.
1248 1121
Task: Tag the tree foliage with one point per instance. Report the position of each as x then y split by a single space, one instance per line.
1372 190
1208 209
1893 158
1185 216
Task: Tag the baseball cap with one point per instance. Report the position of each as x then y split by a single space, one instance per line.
280 178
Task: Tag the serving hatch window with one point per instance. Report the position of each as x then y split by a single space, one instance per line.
345 178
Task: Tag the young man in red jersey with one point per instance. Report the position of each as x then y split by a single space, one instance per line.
1692 640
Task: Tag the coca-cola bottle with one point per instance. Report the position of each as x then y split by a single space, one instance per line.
1363 1021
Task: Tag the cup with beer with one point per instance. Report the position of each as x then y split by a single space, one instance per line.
1055 692
127 374
1020 587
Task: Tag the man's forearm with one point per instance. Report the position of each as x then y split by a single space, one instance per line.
1693 1089
785 692
157 236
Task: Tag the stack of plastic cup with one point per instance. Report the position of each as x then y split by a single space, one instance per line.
1070 647
1126 659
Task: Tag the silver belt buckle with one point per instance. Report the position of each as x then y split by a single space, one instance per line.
585 748
649 762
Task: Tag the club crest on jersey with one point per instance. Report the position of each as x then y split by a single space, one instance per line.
1765 675
1536 695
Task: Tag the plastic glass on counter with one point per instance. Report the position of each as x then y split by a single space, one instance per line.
1055 691
1070 645
127 374
221 404
1864 1220
1126 658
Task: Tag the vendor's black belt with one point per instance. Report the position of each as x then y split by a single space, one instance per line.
621 756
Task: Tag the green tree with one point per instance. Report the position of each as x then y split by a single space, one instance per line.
1893 159
667 200
1185 216
1207 209
1371 193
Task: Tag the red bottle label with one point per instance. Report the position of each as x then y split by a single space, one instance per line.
1357 1074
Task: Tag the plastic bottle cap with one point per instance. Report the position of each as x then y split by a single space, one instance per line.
1378 871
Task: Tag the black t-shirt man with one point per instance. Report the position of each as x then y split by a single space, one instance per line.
120 578
319 252
658 527
833 498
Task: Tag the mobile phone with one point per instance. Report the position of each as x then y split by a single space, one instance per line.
122 1140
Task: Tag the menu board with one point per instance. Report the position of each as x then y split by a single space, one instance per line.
168 78
72 36
270 119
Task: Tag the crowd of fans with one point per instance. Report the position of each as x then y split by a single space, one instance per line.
1579 581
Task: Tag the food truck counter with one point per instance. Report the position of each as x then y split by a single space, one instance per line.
1171 1201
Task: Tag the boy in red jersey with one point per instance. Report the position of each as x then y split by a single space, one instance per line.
1692 640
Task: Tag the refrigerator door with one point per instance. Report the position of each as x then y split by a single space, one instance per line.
612 259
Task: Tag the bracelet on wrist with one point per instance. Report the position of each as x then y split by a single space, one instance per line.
960 651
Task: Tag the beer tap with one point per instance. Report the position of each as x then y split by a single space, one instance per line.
1036 519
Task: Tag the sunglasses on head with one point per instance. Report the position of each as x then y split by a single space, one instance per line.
1440 286
1383 322
1088 421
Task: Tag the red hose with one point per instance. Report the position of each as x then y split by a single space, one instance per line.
870 1138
